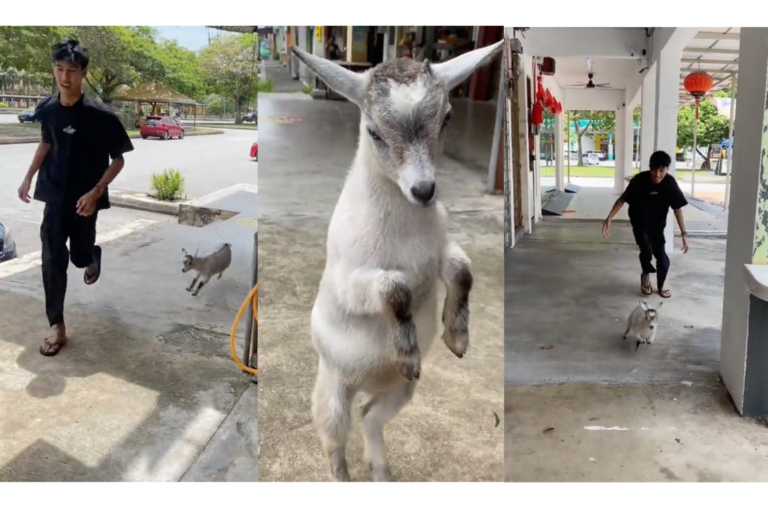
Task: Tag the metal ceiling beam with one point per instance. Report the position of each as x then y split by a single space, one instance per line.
709 62
712 51
714 36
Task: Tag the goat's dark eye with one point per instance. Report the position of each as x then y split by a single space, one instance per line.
447 120
375 136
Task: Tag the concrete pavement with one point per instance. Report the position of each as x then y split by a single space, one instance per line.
146 385
447 433
580 403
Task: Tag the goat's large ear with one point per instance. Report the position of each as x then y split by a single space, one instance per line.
644 304
184 251
660 305
453 72
349 84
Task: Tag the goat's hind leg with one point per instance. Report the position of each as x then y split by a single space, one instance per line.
202 283
458 281
331 401
379 410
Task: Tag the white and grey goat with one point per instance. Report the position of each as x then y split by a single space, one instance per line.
207 266
387 251
642 323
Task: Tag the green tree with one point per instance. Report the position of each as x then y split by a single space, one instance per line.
597 121
229 69
712 129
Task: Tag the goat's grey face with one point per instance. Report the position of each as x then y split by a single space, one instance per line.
404 115
186 262
404 108
652 315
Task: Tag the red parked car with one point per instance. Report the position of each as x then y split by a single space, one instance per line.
255 151
163 127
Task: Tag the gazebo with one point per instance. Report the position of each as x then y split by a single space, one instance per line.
157 93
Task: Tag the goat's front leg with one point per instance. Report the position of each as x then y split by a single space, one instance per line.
387 292
194 281
200 286
458 280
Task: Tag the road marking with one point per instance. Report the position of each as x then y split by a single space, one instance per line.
33 259
279 119
248 223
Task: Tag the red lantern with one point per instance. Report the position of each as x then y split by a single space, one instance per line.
548 100
537 114
540 91
698 83
558 108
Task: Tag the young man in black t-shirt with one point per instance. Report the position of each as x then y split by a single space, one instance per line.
650 195
79 137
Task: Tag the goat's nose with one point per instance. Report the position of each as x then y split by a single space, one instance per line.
423 191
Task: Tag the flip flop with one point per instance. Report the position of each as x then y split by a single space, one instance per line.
665 293
53 347
94 276
646 289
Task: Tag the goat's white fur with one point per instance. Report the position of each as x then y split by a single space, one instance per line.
377 240
638 326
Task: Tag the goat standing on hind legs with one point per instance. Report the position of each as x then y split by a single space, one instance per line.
387 251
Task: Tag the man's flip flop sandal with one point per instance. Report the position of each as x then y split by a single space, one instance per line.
94 276
647 290
664 293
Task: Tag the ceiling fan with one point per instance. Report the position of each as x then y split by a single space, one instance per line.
590 76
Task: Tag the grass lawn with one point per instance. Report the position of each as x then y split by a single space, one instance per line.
601 171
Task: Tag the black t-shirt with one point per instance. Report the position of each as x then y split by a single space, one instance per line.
83 138
649 203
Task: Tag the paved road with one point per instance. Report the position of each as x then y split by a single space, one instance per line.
209 163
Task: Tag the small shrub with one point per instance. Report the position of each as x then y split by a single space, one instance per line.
168 185
266 85
308 88
3 105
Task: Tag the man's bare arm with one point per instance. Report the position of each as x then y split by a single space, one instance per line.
680 221
616 207
37 161
109 175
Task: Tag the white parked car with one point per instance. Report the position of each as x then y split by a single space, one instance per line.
590 159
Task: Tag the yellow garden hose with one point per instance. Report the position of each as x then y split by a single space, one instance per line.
252 298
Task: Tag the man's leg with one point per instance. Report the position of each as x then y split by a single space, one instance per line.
55 259
646 256
84 252
662 260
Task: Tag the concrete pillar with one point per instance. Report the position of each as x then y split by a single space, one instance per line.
559 159
648 118
628 142
744 342
537 179
665 118
619 160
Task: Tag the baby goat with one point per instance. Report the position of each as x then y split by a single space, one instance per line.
387 251
642 323
206 267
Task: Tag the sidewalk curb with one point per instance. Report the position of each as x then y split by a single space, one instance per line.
36 139
137 201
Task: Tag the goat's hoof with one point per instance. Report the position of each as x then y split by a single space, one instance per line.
380 474
194 293
409 364
457 341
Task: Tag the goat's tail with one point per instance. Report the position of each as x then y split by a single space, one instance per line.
227 245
